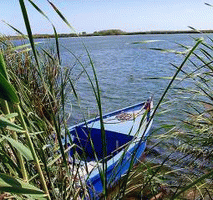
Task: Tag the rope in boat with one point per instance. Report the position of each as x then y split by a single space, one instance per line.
124 116
127 116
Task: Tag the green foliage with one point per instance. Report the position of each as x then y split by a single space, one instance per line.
191 137
109 32
7 91
3 67
33 159
12 185
4 122
25 151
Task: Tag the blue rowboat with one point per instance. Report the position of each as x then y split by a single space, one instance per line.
125 133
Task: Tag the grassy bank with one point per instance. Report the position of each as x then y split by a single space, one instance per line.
34 157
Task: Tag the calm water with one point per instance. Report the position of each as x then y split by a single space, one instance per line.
122 68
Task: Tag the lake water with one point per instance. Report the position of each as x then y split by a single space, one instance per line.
123 68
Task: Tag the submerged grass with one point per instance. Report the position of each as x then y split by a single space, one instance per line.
34 144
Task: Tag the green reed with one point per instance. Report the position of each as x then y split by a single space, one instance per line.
189 137
195 133
34 89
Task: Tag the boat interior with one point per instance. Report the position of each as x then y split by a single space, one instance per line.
89 142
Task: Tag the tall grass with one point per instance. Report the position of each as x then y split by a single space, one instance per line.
195 132
185 167
34 155
35 89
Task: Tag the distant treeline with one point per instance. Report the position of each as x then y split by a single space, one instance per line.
109 32
113 32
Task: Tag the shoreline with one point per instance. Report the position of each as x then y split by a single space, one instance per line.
109 33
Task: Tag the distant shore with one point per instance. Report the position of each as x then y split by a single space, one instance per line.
113 32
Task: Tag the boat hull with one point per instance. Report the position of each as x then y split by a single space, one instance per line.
125 134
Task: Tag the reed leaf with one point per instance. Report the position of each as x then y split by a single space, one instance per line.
17 186
55 32
170 51
11 115
7 91
39 10
4 122
9 161
147 41
175 75
61 15
3 70
23 47
16 30
200 179
57 44
209 4
28 28
54 160
25 151
33 151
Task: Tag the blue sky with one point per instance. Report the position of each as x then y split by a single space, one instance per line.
94 15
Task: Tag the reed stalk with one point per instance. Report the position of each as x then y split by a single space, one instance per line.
31 146
20 157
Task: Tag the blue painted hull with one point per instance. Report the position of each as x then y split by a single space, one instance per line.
126 131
